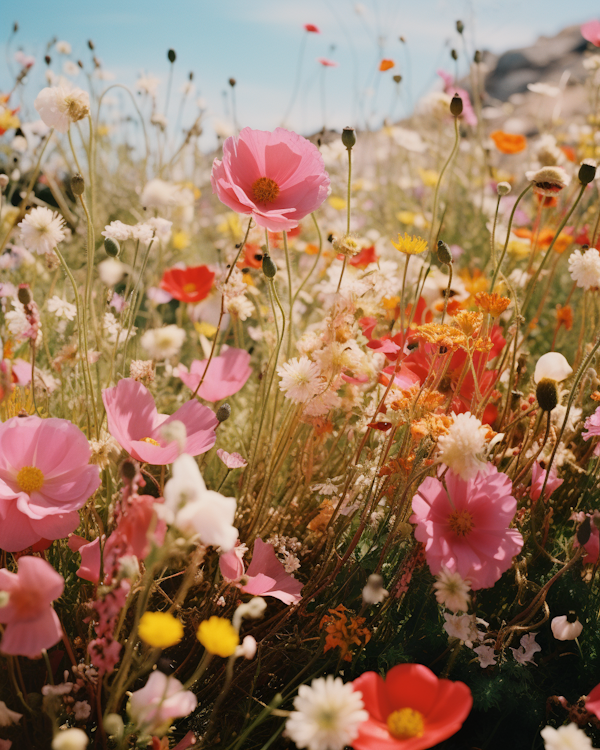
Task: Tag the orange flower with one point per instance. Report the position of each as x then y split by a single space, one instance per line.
494 303
546 201
563 241
523 233
564 316
344 632
475 282
569 152
386 64
509 143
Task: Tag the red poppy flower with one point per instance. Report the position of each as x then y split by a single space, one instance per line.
367 255
411 709
252 256
190 284
312 28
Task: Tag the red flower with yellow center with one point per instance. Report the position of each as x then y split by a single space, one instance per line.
190 284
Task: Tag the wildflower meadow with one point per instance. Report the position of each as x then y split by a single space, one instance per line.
299 436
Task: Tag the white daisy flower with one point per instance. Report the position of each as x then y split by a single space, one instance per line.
327 716
300 379
460 447
451 590
61 308
585 268
42 230
163 343
61 105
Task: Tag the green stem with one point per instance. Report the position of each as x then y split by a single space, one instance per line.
290 297
439 182
345 263
510 221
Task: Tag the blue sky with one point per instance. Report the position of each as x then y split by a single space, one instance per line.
258 42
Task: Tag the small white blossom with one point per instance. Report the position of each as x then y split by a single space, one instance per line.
42 230
163 343
81 710
460 447
61 308
486 656
569 737
585 268
327 715
159 194
8 717
300 379
118 231
111 271
552 366
565 629
451 590
63 48
61 105
527 649
373 592
70 739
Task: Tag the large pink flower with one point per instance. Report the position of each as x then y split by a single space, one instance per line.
227 374
266 576
467 527
278 178
45 478
31 623
135 423
590 31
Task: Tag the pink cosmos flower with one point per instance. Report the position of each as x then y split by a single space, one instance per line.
266 576
227 374
135 424
590 31
45 478
538 477
592 425
31 623
161 700
592 546
592 702
277 177
467 528
232 460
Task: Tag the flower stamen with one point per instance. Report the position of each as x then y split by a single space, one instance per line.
265 190
30 479
461 522
405 723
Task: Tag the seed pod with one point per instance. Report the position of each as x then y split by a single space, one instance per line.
48 59
444 253
349 137
232 82
454 54
547 394
223 412
587 172
268 266
477 57
397 78
460 27
456 106
77 184
24 294
111 247
171 55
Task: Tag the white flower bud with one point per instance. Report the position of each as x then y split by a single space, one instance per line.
70 739
566 627
253 610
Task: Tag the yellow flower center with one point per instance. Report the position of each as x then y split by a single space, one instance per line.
30 479
152 441
189 288
405 723
461 522
265 190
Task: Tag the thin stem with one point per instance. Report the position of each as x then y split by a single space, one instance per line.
348 214
290 297
439 182
510 221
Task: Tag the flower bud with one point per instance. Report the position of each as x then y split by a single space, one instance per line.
349 137
90 44
268 266
477 57
444 253
397 78
70 739
503 188
171 55
587 171
223 412
232 82
48 59
547 394
460 27
584 531
114 725
373 592
77 184
454 54
112 247
456 106
24 294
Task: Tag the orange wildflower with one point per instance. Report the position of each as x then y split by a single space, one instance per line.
494 304
523 233
252 256
546 201
386 64
469 322
569 152
595 396
474 282
311 249
564 316
509 143
563 241
319 523
441 334
344 632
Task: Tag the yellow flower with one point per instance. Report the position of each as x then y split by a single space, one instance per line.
410 245
7 119
218 636
231 225
336 202
160 629
205 329
429 177
181 240
406 217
